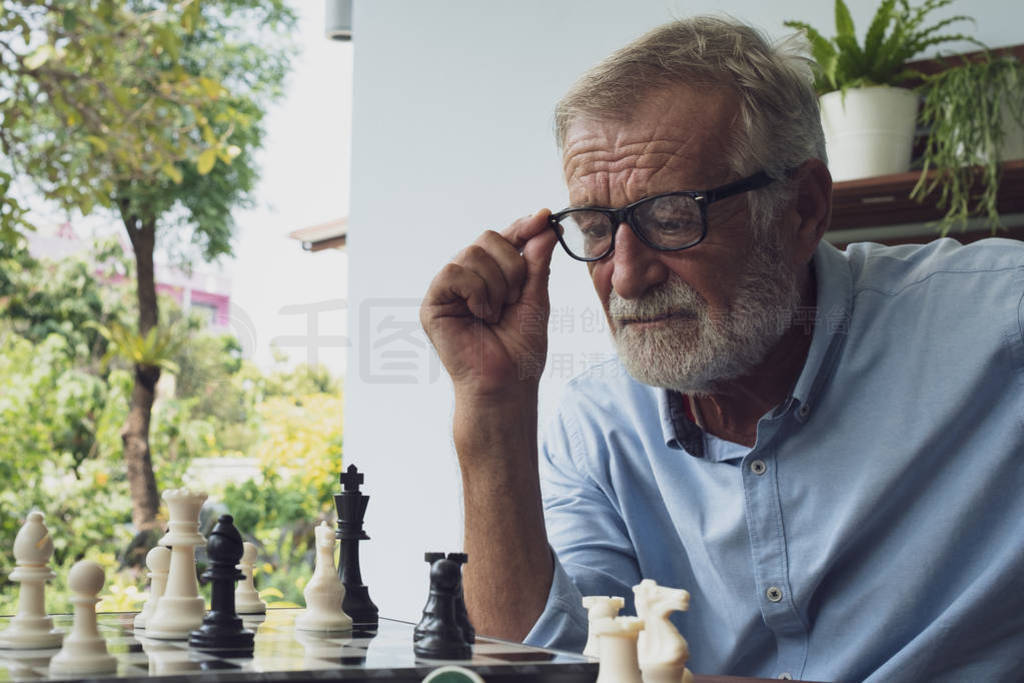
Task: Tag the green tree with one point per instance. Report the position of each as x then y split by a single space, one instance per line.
154 110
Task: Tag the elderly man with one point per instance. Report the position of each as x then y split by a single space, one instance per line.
825 448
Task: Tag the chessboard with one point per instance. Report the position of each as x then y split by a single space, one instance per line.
284 654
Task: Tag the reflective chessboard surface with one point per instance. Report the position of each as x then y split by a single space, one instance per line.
283 654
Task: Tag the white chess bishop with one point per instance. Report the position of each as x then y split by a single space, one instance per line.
599 607
31 628
324 592
84 650
180 609
247 599
661 650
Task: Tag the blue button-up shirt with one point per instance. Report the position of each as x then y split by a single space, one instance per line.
875 531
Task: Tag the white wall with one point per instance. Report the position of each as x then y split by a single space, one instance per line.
452 135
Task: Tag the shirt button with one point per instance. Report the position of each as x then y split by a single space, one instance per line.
774 593
785 676
804 410
758 467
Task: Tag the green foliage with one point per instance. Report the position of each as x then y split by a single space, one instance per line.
898 32
155 348
60 424
963 111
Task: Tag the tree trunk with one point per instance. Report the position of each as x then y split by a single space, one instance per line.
135 433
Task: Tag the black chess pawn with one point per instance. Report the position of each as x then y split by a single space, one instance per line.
439 634
222 629
351 505
461 615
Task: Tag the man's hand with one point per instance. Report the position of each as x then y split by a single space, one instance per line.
486 312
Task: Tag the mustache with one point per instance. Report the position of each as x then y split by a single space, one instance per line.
673 297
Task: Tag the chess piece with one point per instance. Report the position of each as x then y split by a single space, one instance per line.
247 599
84 650
158 561
439 634
31 628
430 558
222 629
599 607
661 650
324 593
461 614
351 505
180 609
618 649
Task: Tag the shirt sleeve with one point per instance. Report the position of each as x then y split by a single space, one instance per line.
593 554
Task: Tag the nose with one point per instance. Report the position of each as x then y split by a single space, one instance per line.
636 266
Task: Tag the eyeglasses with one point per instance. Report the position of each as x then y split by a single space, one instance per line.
672 221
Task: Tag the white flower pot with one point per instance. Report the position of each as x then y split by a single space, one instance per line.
870 132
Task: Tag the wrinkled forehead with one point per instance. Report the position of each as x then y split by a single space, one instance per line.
673 139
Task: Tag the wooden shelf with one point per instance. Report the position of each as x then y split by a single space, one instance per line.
880 209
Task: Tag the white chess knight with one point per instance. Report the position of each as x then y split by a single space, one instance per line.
31 628
661 650
84 650
247 599
158 561
324 592
180 609
618 649
599 607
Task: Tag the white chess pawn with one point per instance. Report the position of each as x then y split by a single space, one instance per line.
324 592
158 561
84 650
179 611
599 607
247 599
618 649
661 650
31 628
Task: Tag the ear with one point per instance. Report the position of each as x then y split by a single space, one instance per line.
813 207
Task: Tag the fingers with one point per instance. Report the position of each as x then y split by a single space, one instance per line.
498 269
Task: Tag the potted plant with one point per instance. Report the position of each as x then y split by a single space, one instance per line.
974 112
869 120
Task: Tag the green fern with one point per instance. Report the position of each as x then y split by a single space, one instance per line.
897 34
155 349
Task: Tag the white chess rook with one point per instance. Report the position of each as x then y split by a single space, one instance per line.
661 650
599 607
618 649
324 592
31 628
180 609
84 650
158 561
247 599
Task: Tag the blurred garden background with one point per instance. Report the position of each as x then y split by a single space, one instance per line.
148 116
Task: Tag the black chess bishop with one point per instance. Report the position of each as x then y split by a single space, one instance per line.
222 630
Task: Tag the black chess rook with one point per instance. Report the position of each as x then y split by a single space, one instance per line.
461 614
351 505
438 635
222 630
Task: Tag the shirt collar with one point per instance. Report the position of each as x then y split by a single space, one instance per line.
834 308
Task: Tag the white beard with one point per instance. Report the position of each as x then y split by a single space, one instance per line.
697 350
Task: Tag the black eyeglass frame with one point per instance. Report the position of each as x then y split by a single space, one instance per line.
704 198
